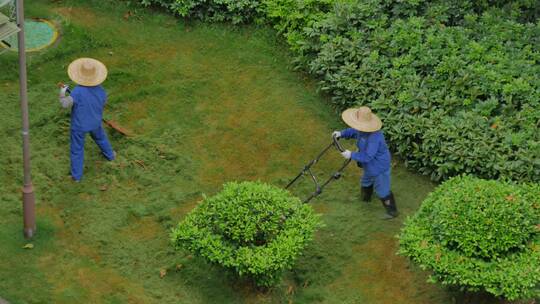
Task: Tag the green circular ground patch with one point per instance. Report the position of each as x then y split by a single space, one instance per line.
39 34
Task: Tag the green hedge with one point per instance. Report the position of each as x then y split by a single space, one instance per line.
254 229
456 82
454 99
479 235
235 11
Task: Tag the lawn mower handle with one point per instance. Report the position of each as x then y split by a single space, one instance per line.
337 144
61 85
307 169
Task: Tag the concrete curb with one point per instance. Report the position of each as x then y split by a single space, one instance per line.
2 301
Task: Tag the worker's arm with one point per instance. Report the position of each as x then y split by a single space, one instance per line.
65 101
366 155
348 133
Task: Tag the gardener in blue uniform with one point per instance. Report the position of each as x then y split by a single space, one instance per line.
373 155
87 100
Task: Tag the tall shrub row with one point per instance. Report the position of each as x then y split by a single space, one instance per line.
456 82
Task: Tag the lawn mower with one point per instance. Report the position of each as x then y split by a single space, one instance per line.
307 169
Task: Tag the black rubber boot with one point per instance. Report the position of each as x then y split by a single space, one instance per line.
389 204
366 193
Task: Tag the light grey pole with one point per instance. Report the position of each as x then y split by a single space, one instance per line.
28 189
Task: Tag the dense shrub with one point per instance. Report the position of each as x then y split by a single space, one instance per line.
479 235
456 82
454 99
235 11
290 17
255 229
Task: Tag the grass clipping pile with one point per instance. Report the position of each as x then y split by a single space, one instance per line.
479 235
254 229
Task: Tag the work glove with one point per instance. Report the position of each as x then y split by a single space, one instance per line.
336 134
346 154
63 91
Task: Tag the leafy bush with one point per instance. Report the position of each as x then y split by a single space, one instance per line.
460 99
454 81
235 11
255 229
479 235
290 17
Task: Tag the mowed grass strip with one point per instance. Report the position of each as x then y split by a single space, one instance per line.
208 104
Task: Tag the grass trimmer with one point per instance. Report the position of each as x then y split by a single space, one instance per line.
112 124
307 169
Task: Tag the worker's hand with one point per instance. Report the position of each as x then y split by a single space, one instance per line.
63 91
336 134
346 154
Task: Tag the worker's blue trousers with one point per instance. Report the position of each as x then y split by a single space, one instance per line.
381 183
77 149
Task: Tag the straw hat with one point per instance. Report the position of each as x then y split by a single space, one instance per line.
87 72
362 119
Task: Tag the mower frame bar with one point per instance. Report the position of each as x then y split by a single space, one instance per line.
307 169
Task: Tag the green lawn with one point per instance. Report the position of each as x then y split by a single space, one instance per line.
208 104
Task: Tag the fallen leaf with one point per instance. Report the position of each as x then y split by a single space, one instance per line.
162 273
128 15
290 290
28 246
103 188
140 163
179 266
510 198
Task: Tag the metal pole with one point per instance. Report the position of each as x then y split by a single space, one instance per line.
28 189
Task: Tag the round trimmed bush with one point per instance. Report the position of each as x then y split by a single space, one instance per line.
254 229
479 235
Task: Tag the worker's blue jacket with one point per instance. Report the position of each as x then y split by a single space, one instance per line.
87 111
373 154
